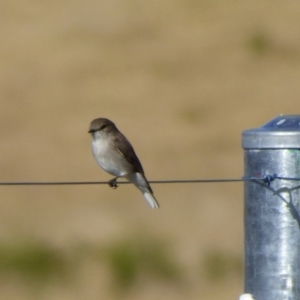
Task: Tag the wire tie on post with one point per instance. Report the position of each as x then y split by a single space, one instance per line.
269 178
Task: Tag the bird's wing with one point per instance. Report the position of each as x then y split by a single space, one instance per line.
125 149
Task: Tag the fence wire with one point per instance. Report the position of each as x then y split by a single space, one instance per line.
267 179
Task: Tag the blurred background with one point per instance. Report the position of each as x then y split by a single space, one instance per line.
181 79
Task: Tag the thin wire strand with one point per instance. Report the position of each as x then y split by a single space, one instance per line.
265 179
288 178
119 182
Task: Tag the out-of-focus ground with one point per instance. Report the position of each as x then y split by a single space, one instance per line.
182 80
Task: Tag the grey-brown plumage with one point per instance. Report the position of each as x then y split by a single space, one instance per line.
114 153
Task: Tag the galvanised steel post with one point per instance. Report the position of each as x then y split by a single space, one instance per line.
272 223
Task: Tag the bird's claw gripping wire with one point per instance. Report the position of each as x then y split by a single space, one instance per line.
269 178
113 183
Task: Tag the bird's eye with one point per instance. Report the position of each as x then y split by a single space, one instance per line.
102 127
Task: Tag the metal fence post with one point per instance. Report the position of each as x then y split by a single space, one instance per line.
272 226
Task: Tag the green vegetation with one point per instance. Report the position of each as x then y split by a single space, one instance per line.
219 265
259 42
130 262
31 260
133 258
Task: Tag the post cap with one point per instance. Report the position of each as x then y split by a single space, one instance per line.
282 132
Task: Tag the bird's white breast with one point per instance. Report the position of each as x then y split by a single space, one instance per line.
108 157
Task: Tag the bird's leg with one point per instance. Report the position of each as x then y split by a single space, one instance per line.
113 182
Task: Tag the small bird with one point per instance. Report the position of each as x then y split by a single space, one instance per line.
115 155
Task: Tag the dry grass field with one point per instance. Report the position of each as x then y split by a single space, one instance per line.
181 79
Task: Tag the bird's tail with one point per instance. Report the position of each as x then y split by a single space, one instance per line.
140 181
151 199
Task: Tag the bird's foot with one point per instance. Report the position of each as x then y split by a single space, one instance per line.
113 183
